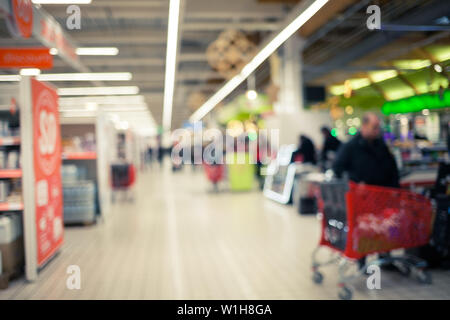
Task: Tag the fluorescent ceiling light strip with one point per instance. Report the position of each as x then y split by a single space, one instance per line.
124 100
143 109
138 118
10 77
101 51
93 91
80 110
118 107
171 62
61 1
137 115
260 57
105 76
78 113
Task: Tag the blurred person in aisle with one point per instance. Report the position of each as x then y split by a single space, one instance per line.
149 155
330 147
367 159
263 151
160 151
177 154
306 151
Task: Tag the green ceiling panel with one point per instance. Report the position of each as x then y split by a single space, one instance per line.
396 89
439 52
418 103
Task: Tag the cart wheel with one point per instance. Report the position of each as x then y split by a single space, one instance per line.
317 277
424 277
345 293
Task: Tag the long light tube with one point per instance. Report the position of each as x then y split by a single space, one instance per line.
140 109
124 107
100 76
93 76
10 77
61 1
98 91
102 51
260 57
107 100
171 62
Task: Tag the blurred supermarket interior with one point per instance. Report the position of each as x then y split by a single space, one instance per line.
210 149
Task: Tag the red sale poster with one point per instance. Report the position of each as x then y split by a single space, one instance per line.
47 170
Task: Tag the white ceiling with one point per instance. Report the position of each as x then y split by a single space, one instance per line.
139 29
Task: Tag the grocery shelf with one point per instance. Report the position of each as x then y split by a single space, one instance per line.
11 206
419 178
9 141
79 155
10 173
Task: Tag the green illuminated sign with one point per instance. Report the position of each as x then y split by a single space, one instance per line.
418 103
334 132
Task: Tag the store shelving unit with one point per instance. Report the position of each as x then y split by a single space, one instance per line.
86 155
95 163
9 141
38 170
8 96
11 206
10 173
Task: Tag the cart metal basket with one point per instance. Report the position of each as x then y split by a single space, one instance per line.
360 220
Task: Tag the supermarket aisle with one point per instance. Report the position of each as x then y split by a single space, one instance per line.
180 242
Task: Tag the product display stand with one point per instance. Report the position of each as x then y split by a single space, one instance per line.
92 163
41 173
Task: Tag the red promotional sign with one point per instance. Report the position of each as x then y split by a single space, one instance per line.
51 32
17 58
23 16
47 166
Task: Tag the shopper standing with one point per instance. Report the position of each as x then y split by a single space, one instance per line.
306 151
367 159
160 151
330 145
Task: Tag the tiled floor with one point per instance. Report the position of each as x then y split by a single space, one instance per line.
179 241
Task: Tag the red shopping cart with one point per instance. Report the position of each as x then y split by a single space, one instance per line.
123 178
360 220
214 173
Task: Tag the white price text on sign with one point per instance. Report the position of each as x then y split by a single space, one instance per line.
47 139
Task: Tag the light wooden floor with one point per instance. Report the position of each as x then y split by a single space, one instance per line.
180 242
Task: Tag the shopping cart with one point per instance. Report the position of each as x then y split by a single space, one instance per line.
360 220
123 178
214 173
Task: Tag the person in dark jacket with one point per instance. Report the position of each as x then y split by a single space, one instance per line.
306 152
331 144
366 158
